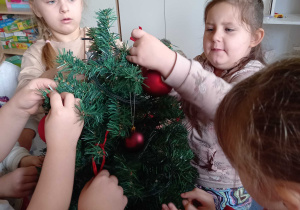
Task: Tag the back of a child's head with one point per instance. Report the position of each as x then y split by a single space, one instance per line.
252 14
258 124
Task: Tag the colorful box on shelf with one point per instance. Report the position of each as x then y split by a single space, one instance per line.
11 45
22 45
17 4
8 44
6 36
19 26
4 17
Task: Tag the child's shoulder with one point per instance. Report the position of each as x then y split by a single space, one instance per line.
250 68
36 47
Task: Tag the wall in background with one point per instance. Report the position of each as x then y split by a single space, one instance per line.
283 39
182 23
89 13
179 21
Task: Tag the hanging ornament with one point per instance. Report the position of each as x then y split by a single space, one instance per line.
41 128
135 141
154 84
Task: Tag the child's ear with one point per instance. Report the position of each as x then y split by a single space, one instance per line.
289 196
257 37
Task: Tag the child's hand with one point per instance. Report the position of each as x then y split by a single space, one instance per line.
102 192
31 161
28 99
63 125
195 199
151 53
19 183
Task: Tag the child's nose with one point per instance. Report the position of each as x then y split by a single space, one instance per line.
64 6
217 35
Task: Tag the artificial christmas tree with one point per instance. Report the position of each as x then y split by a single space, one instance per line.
139 138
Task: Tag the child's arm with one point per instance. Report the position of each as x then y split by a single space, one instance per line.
16 112
194 84
102 193
204 201
62 130
151 53
19 183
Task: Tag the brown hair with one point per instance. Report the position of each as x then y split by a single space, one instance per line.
258 123
48 53
252 14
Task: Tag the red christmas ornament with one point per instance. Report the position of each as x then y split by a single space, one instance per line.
135 142
41 128
154 84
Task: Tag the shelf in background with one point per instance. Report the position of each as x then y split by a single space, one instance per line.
288 19
13 51
5 10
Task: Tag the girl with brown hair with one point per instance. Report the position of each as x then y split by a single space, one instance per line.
232 52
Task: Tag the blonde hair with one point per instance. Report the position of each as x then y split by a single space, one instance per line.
252 14
258 123
48 53
2 56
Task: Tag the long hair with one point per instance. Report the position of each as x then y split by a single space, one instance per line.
258 123
48 53
252 15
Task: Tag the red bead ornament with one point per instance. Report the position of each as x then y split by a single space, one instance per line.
154 84
135 142
41 128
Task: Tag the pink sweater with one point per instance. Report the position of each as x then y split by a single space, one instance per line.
204 90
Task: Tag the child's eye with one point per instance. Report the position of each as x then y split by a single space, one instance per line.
209 29
50 2
229 29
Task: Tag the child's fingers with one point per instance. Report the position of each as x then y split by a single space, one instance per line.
172 206
114 179
188 205
29 186
164 207
133 51
68 99
137 33
125 200
103 173
200 195
30 179
55 100
30 171
42 83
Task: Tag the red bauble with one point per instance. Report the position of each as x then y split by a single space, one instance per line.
135 142
41 128
154 84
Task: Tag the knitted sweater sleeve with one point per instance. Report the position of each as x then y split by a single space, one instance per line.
203 88
11 162
198 86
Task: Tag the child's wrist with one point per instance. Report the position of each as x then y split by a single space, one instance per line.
168 68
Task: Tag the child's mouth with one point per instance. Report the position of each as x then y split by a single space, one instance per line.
66 20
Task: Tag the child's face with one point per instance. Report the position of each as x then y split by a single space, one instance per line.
62 16
226 39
